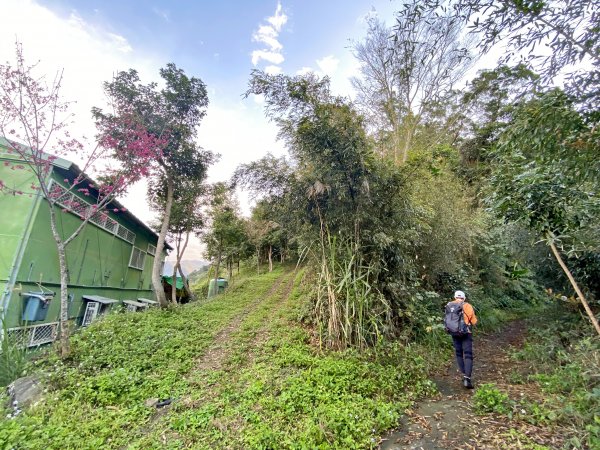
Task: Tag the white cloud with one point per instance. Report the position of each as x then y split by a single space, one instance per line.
120 43
273 70
304 71
328 64
279 19
88 54
258 99
272 57
268 34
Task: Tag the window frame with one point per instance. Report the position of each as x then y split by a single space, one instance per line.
140 253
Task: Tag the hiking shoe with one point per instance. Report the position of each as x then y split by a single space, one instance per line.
467 383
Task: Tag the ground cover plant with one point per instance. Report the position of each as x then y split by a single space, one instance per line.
267 386
554 384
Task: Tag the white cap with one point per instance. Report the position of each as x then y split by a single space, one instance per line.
460 294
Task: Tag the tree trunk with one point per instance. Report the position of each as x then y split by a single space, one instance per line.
186 285
64 284
160 245
270 258
258 261
406 147
218 264
64 301
174 285
230 268
584 302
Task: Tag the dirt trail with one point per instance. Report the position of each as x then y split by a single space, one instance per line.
448 421
262 335
215 356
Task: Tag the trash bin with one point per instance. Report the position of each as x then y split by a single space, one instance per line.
222 284
36 306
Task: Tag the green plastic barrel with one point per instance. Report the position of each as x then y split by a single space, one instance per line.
222 284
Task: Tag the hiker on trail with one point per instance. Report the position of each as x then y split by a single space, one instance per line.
459 321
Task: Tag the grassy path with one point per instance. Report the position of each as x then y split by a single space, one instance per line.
240 371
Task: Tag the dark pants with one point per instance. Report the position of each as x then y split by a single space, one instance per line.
463 345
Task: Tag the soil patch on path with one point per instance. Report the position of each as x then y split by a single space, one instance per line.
215 356
448 421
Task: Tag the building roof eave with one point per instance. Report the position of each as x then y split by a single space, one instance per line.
74 168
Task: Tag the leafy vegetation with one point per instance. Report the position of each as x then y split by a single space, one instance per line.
557 379
13 356
172 113
269 388
386 205
488 399
565 362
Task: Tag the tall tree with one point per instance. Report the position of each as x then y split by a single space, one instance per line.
488 104
173 113
334 172
186 219
544 171
407 68
554 37
227 229
271 181
35 122
546 174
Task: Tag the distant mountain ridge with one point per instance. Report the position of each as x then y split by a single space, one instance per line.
187 266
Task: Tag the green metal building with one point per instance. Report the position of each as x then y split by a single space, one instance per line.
110 261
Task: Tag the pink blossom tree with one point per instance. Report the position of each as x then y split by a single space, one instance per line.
173 113
36 122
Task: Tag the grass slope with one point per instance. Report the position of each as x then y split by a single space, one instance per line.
242 373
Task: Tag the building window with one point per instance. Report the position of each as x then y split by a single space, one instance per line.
137 258
151 249
125 234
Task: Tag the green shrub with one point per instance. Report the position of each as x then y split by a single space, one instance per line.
488 399
13 357
565 360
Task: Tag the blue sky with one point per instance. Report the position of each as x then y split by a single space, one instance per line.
216 40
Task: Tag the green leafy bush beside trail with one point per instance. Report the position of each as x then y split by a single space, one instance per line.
563 362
